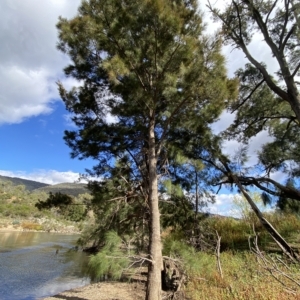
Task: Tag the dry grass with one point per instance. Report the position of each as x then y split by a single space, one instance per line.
243 278
31 226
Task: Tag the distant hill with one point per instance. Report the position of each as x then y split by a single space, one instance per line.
30 185
72 189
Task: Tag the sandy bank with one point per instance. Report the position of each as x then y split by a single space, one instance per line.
104 291
10 228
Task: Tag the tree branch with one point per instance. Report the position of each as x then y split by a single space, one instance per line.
249 96
284 28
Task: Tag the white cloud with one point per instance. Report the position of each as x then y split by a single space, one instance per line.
225 206
24 93
230 147
45 176
222 206
68 121
279 176
30 64
225 119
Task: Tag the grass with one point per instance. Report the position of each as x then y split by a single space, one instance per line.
235 233
243 278
244 275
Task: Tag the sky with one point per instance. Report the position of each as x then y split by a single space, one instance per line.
32 116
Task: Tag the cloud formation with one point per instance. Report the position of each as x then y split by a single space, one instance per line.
45 176
222 206
29 62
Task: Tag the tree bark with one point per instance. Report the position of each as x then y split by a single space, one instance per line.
273 232
155 267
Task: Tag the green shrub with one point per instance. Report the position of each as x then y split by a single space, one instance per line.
111 260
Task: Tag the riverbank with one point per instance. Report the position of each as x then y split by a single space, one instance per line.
39 225
104 291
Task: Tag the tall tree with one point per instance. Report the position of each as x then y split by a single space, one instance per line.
144 67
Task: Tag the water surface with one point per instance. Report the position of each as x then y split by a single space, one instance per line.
39 264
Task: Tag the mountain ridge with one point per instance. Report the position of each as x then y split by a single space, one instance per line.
72 189
30 185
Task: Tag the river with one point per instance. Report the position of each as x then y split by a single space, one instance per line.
39 264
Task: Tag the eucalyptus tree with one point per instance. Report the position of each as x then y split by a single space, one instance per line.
277 23
144 67
267 101
263 111
223 170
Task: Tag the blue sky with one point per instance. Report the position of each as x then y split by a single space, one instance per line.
32 116
37 143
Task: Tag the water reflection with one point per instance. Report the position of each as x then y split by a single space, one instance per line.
30 268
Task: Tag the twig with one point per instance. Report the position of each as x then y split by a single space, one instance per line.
270 265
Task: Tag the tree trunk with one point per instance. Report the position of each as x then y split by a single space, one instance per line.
155 251
273 232
294 97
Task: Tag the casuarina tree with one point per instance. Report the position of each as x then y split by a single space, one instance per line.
142 66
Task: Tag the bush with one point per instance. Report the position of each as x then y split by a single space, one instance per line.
31 226
111 260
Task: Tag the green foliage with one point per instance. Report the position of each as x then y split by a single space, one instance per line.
55 200
235 232
76 212
68 207
111 260
178 249
16 201
148 65
118 206
177 212
287 224
288 205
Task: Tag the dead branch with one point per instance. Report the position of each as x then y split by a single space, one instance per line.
218 254
273 268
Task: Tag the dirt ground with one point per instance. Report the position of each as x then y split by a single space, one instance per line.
104 291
